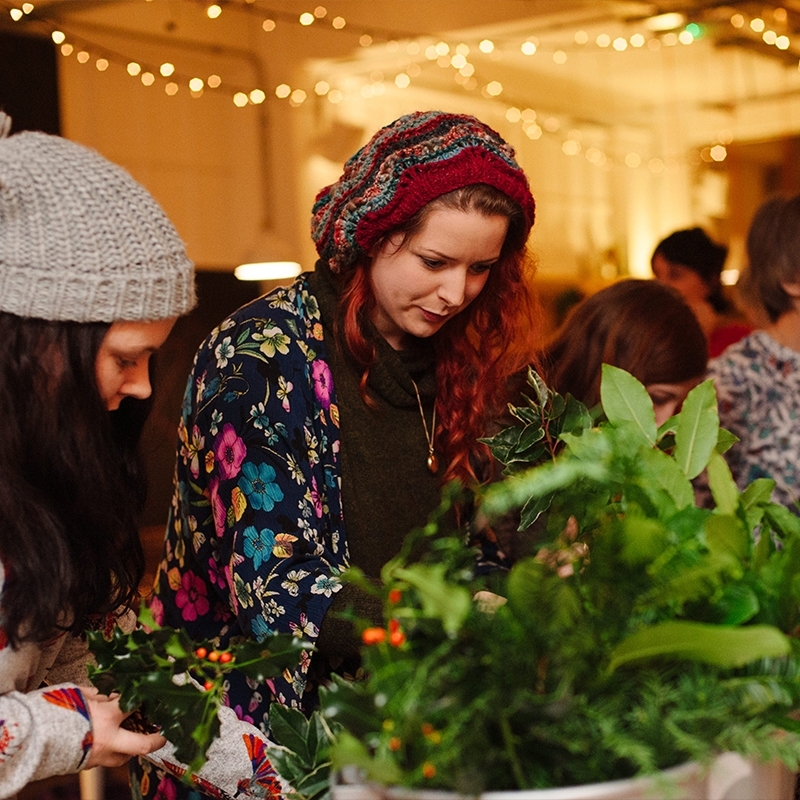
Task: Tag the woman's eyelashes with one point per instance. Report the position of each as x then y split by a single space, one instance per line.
438 263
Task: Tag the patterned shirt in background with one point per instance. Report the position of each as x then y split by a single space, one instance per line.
758 386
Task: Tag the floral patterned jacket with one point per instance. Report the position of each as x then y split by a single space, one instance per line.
758 386
255 538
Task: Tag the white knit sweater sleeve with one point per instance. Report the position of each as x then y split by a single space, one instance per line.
44 730
42 733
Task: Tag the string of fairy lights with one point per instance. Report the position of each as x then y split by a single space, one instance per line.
413 55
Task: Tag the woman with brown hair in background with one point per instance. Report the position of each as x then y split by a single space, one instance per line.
640 326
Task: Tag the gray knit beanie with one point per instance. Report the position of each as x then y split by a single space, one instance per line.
81 240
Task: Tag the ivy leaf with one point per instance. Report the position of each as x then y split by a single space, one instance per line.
576 416
533 509
531 434
698 429
502 443
539 386
625 400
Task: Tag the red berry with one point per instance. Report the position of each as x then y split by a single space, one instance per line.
208 686
201 652
224 658
397 638
373 635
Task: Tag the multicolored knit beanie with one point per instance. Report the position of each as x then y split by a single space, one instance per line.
405 165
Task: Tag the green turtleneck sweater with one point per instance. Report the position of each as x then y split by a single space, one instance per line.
387 488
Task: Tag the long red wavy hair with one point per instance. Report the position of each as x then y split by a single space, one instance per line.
479 349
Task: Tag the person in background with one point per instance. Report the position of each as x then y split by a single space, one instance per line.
321 420
758 378
689 261
92 278
641 326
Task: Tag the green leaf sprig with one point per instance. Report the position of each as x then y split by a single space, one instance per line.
176 683
641 630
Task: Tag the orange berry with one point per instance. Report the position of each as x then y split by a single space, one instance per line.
208 685
431 734
373 635
397 638
395 596
224 658
213 656
394 743
201 652
428 770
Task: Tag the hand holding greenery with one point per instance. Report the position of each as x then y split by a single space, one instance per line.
642 631
177 683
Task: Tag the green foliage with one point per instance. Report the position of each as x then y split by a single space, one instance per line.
640 632
176 683
303 757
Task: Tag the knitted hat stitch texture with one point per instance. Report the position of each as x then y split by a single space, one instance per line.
405 166
81 240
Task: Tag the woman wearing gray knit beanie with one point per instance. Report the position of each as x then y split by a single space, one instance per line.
92 278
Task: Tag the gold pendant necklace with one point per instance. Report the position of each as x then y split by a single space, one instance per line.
433 462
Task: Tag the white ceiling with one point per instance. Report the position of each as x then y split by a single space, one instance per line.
601 83
727 80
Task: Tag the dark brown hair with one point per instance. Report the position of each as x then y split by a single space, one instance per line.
773 254
71 486
641 326
694 249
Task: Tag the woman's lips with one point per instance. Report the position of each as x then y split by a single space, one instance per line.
431 316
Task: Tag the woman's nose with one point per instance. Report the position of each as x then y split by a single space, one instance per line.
137 383
453 286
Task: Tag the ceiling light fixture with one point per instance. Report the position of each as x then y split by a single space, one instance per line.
665 22
267 271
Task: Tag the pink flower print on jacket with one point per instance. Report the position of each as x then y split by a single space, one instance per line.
323 382
156 609
218 508
191 598
167 790
229 452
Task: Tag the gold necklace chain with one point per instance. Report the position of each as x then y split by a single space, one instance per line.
433 462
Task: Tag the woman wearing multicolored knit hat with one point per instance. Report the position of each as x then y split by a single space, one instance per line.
320 421
92 278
